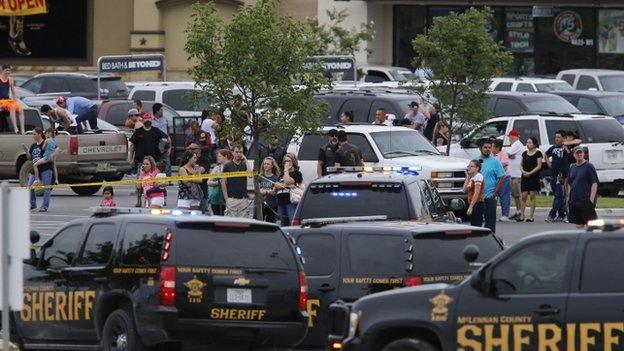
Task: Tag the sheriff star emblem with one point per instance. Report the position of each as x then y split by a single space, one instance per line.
195 286
439 312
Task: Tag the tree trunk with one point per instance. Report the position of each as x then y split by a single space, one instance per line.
258 201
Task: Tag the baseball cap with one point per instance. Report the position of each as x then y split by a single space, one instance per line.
61 100
133 111
341 134
514 133
577 149
332 132
412 104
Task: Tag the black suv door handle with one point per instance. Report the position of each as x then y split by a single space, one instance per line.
546 310
326 288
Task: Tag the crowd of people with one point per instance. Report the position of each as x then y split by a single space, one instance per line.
497 176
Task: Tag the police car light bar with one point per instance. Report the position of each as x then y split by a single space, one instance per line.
99 211
606 225
372 169
335 220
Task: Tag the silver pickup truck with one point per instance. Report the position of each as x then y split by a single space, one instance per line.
84 158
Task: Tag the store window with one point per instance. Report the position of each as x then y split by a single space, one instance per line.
409 21
565 40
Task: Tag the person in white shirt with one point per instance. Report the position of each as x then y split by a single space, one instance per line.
208 125
381 117
515 168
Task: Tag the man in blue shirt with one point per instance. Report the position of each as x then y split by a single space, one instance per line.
582 184
85 109
555 157
493 177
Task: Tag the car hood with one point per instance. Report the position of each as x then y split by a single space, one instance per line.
430 162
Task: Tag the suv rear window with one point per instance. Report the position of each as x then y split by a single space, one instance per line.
601 130
440 253
185 99
349 201
204 244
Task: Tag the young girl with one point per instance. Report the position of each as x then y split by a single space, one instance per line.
215 197
49 152
156 196
473 186
108 200
148 171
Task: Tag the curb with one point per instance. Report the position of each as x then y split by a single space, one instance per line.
607 211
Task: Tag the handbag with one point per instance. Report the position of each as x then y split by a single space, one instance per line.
296 193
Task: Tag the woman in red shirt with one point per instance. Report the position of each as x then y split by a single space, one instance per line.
473 186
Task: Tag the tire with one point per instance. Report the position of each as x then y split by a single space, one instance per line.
23 176
119 333
115 177
86 190
409 344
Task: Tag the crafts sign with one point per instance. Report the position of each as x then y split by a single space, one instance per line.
568 26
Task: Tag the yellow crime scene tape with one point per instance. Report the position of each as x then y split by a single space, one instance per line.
147 180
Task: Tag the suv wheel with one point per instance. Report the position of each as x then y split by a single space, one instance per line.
120 333
409 344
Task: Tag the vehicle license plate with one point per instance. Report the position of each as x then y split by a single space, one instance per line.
239 295
102 166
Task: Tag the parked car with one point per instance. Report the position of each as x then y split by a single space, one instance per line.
77 84
379 73
87 157
171 281
346 261
602 136
593 79
596 102
528 84
179 95
363 103
404 196
390 147
516 103
549 289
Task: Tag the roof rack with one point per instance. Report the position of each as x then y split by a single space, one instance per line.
317 222
99 211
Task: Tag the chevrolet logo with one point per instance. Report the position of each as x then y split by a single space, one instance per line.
241 281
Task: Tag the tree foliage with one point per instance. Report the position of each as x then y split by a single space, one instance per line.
334 39
462 58
249 67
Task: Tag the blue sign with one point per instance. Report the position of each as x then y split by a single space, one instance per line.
543 11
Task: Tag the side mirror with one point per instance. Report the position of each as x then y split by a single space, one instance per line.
457 204
34 237
464 143
478 280
471 253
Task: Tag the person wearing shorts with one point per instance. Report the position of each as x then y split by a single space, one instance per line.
582 184
514 154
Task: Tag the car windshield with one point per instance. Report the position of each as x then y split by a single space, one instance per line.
112 87
612 83
402 75
614 105
545 87
350 201
403 143
601 130
550 105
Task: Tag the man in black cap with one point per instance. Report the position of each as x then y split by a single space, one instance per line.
348 155
327 154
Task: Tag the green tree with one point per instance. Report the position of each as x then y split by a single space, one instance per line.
462 58
249 66
334 39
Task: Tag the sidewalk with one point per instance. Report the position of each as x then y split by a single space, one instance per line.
599 211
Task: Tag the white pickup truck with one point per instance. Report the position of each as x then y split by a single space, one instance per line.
602 136
389 146
84 158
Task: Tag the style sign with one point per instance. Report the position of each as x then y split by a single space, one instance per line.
131 63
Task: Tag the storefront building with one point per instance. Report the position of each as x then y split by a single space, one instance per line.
545 37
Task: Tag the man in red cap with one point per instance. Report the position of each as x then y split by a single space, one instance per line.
515 168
